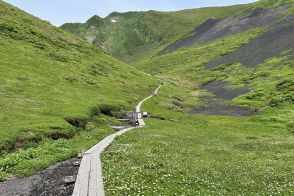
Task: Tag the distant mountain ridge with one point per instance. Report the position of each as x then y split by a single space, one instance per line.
132 36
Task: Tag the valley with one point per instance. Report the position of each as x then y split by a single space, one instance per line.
222 123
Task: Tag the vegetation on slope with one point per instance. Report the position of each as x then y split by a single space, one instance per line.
136 34
50 82
270 83
275 3
190 61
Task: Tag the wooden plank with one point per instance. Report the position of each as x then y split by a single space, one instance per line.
85 176
95 185
81 185
100 177
78 183
141 122
89 180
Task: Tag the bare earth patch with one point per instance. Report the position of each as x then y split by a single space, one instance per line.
46 183
215 106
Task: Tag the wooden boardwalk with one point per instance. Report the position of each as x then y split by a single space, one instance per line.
89 180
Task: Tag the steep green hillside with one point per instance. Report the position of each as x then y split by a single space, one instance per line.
133 35
53 86
275 3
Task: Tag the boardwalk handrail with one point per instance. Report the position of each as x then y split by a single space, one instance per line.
89 180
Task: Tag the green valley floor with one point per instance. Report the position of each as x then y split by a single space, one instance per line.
182 154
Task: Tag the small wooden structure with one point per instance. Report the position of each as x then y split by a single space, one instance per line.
135 117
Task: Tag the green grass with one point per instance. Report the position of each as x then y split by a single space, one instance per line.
271 82
200 155
275 3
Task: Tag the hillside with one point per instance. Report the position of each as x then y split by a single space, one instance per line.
52 85
132 36
245 59
262 13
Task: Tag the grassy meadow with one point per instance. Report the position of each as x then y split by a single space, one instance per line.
180 154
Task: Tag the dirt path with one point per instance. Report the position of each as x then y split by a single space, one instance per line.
46 183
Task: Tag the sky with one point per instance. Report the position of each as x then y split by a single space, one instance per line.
59 12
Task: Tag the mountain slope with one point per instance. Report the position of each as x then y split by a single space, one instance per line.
250 53
216 28
52 84
132 36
